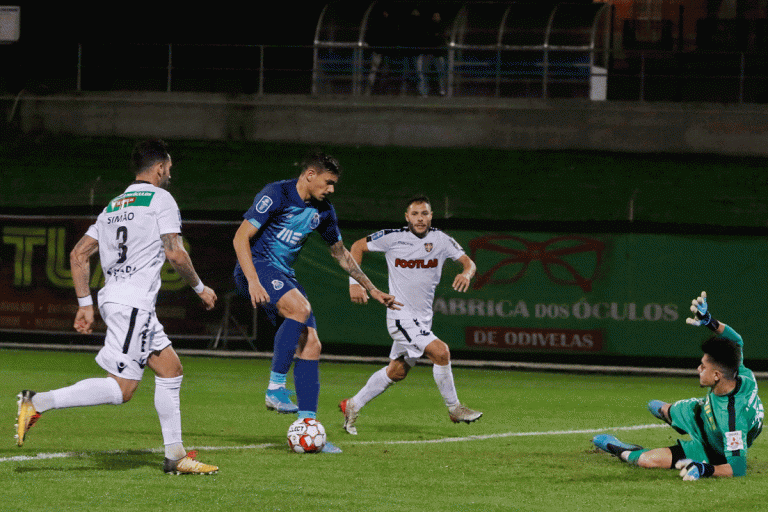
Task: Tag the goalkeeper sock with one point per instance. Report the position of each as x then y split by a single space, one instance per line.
632 457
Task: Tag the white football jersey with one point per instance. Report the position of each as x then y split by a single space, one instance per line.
415 266
128 231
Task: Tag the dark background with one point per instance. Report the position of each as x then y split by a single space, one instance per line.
208 22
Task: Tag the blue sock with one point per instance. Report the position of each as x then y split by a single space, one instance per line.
276 380
306 378
286 341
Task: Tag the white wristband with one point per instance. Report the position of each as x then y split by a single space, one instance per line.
199 288
85 301
352 281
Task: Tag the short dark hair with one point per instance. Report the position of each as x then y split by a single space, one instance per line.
147 153
419 198
323 162
725 353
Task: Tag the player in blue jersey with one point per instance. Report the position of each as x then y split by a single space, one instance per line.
267 244
721 426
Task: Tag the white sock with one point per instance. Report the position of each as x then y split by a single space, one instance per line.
444 380
80 394
376 385
168 406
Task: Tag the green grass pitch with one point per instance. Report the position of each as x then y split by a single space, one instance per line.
530 451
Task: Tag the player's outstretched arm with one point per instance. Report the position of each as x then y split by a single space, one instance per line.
80 263
179 258
348 263
461 282
702 315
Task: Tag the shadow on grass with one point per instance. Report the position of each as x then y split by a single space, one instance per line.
101 461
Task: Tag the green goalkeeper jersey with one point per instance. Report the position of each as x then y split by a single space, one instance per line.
730 423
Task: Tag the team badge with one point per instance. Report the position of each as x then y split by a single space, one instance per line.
277 284
733 441
428 247
315 221
264 203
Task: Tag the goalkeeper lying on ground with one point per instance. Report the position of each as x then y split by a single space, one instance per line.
722 425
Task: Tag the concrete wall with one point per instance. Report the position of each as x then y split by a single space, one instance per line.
415 122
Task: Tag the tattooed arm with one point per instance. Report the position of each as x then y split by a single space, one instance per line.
182 263
80 263
348 263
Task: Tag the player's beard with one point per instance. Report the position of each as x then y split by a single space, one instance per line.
413 230
165 182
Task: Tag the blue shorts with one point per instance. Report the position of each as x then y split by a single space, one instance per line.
277 283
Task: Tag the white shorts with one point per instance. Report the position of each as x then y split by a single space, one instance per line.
410 337
132 335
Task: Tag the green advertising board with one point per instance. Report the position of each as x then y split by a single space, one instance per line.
601 293
614 294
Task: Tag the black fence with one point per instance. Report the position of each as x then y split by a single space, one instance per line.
554 72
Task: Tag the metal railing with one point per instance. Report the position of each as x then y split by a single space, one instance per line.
728 77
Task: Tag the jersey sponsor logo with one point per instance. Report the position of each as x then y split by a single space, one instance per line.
289 236
399 262
120 367
428 247
376 235
277 284
264 203
734 441
138 198
315 221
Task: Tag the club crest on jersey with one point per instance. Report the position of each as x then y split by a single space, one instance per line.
428 247
277 284
315 221
264 203
733 440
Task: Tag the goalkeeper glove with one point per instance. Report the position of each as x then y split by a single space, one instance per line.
701 313
693 470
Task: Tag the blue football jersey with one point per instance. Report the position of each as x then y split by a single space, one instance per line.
285 221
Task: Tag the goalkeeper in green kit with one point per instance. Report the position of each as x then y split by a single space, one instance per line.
722 425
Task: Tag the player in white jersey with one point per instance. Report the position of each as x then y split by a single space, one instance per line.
415 256
134 235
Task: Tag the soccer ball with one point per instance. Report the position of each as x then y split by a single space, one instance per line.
306 435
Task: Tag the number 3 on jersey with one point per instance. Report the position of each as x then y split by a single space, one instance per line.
122 238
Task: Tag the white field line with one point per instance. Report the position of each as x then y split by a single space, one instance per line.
73 455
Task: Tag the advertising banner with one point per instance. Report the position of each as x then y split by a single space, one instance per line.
612 294
36 291
536 292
